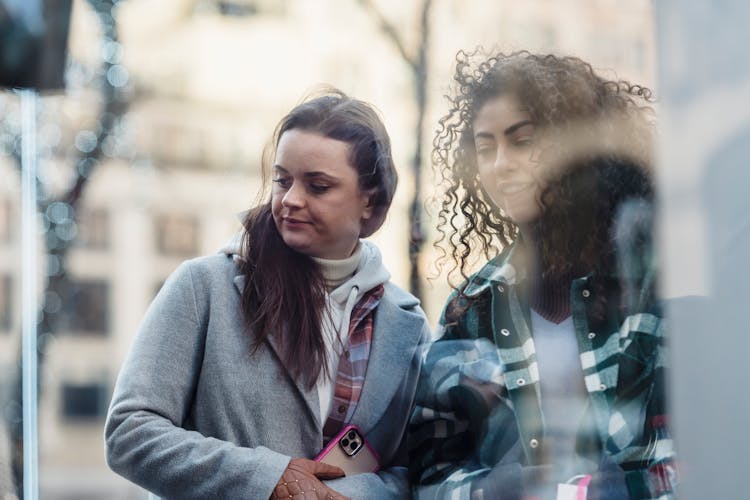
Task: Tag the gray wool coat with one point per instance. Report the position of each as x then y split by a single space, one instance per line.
195 415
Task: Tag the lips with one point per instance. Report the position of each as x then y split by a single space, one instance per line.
294 221
511 188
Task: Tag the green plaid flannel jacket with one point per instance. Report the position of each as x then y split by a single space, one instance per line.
478 418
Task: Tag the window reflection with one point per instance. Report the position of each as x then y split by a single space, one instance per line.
5 221
84 402
169 68
88 307
6 320
93 229
176 235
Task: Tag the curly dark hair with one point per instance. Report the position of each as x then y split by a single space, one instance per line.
581 114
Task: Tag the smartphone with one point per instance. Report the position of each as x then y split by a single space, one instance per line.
350 450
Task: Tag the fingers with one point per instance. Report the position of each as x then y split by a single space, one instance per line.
299 487
299 481
326 471
319 469
307 488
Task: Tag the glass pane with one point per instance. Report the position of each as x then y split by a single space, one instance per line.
705 237
10 308
155 145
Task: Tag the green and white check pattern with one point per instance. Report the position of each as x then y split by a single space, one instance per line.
478 399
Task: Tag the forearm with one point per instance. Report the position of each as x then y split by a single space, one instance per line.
147 436
173 462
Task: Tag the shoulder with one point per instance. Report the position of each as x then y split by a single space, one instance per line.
467 309
495 271
206 272
210 265
401 310
399 296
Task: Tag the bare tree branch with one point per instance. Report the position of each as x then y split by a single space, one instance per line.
416 232
387 27
419 66
114 104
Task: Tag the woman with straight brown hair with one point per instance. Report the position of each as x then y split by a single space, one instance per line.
249 362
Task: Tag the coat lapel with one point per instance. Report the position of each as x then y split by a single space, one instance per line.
310 397
394 341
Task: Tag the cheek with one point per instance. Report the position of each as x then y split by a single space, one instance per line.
488 182
484 177
275 208
276 197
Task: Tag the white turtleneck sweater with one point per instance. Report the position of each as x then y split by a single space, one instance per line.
347 281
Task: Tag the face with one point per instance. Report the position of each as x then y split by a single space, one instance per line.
507 157
316 202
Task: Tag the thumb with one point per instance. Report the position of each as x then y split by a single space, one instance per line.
323 470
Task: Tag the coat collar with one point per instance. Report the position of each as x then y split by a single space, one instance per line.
395 337
498 270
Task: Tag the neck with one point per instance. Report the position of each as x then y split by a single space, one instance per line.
337 271
549 291
549 295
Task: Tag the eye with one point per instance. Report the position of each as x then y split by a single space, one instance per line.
523 141
319 188
283 182
485 152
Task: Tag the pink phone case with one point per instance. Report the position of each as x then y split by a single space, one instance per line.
350 450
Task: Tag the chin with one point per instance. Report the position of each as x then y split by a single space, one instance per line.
297 246
523 215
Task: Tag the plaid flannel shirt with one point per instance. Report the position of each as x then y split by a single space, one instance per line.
350 375
478 419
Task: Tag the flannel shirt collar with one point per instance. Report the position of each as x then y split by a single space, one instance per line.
502 269
498 270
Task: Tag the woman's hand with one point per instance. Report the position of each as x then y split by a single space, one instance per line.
301 481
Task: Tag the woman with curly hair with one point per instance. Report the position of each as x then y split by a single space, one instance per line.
547 376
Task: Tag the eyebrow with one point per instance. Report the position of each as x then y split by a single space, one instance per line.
508 131
307 175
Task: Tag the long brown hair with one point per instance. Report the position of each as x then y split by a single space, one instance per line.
284 292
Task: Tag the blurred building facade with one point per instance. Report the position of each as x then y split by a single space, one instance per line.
208 80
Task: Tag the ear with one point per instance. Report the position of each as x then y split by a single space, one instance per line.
367 209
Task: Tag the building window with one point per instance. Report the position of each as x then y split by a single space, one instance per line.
5 303
5 221
84 401
87 308
237 8
177 235
93 229
243 8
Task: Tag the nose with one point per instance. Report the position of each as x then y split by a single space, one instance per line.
502 162
294 196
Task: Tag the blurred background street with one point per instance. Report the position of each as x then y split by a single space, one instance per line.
155 144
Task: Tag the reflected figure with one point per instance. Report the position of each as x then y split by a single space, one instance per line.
547 166
250 361
7 487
